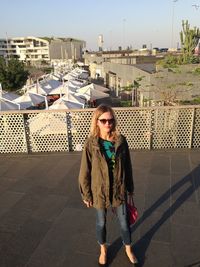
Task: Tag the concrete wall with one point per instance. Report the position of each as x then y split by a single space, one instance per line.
163 85
66 49
157 83
117 76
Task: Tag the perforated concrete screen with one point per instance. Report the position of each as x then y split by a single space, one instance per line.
47 132
12 134
171 128
78 128
144 128
196 133
136 126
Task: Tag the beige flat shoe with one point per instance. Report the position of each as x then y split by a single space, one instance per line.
104 261
134 261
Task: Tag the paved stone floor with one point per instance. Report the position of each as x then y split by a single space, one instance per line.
43 222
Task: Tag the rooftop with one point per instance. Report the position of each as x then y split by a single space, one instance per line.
43 222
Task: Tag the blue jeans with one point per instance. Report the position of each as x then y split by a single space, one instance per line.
121 212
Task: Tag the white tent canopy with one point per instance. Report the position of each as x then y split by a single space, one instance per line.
64 104
72 98
96 87
50 84
6 104
62 90
70 76
24 101
90 94
77 83
83 75
37 89
9 95
29 99
37 99
80 73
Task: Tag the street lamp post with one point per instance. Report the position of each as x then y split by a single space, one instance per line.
124 33
172 37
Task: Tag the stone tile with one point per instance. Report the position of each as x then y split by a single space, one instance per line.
180 163
140 187
7 182
158 202
157 227
69 182
160 165
158 254
119 258
79 259
3 189
4 238
183 190
185 245
196 181
194 156
5 166
91 247
61 240
188 213
19 248
179 178
50 226
8 200
15 166
140 175
24 185
12 220
10 260
139 158
158 184
50 208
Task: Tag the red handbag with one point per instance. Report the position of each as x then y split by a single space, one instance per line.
132 211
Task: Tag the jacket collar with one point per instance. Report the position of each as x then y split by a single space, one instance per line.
118 141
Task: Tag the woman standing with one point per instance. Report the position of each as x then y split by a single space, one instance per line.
105 177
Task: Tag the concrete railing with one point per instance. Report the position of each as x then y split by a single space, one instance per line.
66 130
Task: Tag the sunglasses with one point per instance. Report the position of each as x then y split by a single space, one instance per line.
110 121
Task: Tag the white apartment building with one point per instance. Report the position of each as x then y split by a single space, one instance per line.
32 49
28 49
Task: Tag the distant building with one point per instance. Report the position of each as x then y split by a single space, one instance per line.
66 48
100 42
35 50
27 49
96 60
119 70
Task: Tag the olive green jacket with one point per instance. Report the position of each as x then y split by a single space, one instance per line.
94 174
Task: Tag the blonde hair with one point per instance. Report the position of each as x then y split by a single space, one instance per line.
94 129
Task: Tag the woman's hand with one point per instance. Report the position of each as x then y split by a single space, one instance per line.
88 203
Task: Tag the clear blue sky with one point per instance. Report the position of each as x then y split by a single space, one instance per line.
156 23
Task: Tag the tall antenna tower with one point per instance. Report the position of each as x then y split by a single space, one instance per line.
100 42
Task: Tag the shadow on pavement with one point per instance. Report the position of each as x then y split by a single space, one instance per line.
141 246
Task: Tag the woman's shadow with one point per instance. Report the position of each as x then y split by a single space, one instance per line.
141 246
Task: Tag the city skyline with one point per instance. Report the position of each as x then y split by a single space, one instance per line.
122 23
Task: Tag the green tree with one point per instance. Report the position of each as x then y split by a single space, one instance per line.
189 39
133 88
13 75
